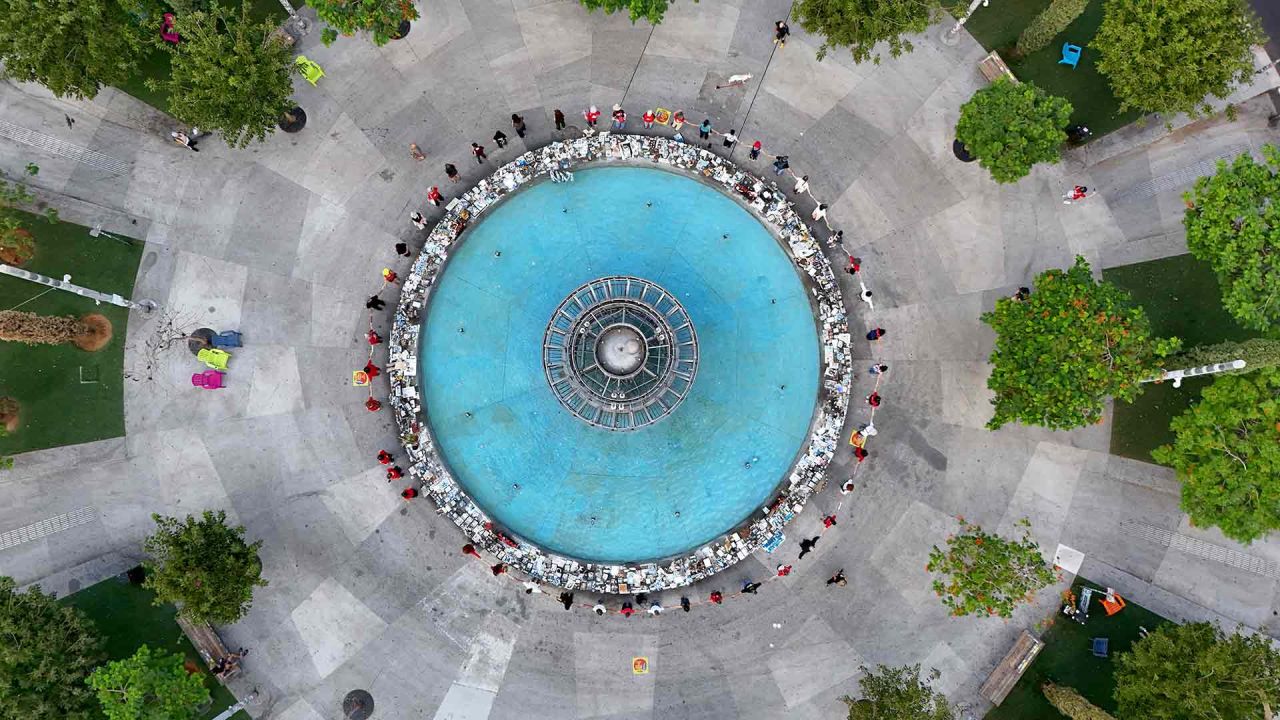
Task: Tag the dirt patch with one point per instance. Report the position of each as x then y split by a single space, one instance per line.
9 410
98 335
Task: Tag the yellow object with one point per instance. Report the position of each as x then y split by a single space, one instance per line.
857 439
309 69
214 358
359 378
662 116
640 666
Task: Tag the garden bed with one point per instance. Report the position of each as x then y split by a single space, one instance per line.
1089 92
123 615
1067 659
67 395
1182 299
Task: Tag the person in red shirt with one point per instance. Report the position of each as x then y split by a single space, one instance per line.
874 399
372 405
783 570
374 338
717 597
592 115
860 453
372 370
434 196
385 457
828 521
755 150
498 569
394 473
470 549
409 493
389 275
627 609
648 119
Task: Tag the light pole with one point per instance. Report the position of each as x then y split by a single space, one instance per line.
951 37
1177 375
66 284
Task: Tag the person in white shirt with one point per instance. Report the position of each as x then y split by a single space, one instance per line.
802 184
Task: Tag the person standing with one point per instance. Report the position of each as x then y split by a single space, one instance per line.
685 604
879 369
385 458
566 597
498 569
783 570
755 150
828 521
419 221
499 139
434 196
470 549
517 122
409 493
780 164
780 32
591 115
749 587
704 131
802 185
627 610
730 138
716 597
875 334
184 140
819 213
677 120
478 151
559 122
619 117
451 171
808 544
655 609
838 579
648 118
375 303
402 249
599 609
874 399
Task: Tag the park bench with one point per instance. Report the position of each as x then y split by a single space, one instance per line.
1006 674
993 68
208 644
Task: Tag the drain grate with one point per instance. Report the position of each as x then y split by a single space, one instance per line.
54 146
1200 549
46 527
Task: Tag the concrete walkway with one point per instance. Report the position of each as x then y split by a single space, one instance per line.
285 240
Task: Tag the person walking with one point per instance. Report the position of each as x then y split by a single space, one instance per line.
451 171
780 32
478 151
802 185
434 196
730 138
184 140
875 334
517 123
750 588
704 131
808 544
500 139
592 116
566 597
755 150
648 119
838 579
559 119
879 369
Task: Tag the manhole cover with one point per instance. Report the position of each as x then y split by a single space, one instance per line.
357 705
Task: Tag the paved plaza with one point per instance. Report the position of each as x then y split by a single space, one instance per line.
285 240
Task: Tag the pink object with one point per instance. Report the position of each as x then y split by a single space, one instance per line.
209 379
166 31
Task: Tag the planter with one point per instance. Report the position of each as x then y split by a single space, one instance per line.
98 334
961 152
402 30
9 410
294 120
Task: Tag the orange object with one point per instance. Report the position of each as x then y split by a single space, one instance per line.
1113 607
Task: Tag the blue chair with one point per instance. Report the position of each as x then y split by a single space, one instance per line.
1070 55
1100 647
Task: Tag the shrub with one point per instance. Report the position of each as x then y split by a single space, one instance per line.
1072 704
1053 20
1258 353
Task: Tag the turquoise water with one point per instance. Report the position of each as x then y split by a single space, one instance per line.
591 493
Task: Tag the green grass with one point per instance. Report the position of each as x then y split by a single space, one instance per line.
57 408
1067 659
125 617
1089 92
1182 299
155 65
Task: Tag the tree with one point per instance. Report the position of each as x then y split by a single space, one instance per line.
897 693
149 686
380 18
203 566
1051 21
72 47
229 74
1010 127
47 653
1060 352
1197 672
1072 704
1258 353
984 574
1167 57
862 24
16 243
1226 450
649 10
1233 223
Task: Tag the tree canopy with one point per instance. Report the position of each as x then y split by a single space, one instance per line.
149 686
897 693
1227 453
1068 346
72 47
203 566
1167 57
1233 223
1197 672
1011 127
862 24
230 74
47 653
649 10
984 574
380 18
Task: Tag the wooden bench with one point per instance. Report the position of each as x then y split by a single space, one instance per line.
208 644
1006 674
993 68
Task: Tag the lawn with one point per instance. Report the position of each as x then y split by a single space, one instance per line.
156 63
1067 659
125 617
68 396
1089 93
1182 299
